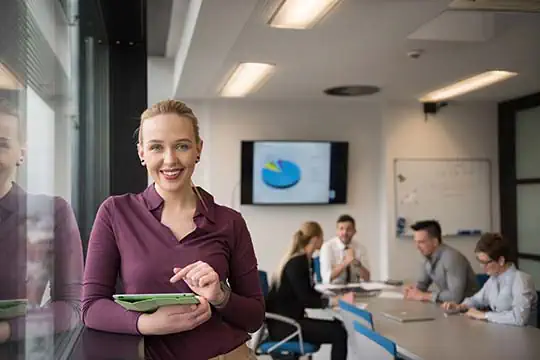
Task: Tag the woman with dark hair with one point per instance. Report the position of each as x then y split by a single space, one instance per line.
292 291
509 296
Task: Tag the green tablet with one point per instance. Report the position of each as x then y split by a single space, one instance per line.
150 302
12 308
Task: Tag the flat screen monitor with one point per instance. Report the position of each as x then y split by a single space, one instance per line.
294 172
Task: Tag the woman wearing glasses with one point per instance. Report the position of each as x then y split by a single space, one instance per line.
508 296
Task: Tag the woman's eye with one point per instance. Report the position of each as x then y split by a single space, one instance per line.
155 147
182 147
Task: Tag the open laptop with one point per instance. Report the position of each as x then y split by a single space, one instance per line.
408 316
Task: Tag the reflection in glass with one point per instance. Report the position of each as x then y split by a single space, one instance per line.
41 260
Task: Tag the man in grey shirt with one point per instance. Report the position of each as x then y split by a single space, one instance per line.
445 267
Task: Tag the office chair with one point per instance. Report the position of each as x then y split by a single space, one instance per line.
355 310
317 269
386 344
481 279
286 348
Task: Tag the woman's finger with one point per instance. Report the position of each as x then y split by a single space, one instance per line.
207 279
182 272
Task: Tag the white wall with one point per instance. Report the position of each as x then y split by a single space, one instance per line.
272 227
457 131
377 134
160 73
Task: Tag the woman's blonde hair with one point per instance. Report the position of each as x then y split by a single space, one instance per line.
301 239
171 107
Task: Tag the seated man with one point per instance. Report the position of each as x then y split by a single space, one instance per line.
509 296
342 260
444 266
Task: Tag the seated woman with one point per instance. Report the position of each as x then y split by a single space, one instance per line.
509 296
292 291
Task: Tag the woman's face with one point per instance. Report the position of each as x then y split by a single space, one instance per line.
491 267
169 150
11 150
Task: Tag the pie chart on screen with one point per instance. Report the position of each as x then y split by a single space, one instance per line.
280 174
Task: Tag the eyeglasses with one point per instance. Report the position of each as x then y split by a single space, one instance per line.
485 262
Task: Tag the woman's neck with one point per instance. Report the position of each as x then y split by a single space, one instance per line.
5 188
505 268
181 200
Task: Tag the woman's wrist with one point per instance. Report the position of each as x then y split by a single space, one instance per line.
223 297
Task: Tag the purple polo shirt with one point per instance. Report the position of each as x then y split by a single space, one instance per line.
40 245
129 239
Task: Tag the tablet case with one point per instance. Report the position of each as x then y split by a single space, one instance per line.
10 309
150 303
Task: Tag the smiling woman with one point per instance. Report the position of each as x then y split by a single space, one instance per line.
173 238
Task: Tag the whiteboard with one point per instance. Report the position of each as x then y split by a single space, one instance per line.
457 193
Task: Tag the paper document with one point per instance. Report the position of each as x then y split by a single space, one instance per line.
391 295
373 286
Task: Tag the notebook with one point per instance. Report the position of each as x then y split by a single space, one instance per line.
408 316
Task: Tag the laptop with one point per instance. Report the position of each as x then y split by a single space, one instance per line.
408 316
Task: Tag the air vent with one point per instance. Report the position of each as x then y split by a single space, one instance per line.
497 5
352 90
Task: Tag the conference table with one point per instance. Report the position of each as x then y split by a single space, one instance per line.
447 337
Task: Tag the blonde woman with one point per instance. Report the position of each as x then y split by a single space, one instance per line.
173 237
292 291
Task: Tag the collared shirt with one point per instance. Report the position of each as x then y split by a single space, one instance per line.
40 247
333 252
450 272
510 296
129 239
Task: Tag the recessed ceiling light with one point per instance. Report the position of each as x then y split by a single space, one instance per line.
352 90
468 85
246 78
300 14
8 80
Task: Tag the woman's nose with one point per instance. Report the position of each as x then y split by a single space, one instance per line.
169 157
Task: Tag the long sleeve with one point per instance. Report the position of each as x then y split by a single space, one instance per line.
479 300
297 271
523 294
424 281
456 269
326 260
245 308
65 282
99 311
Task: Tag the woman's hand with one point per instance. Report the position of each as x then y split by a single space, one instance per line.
452 306
476 314
174 318
202 279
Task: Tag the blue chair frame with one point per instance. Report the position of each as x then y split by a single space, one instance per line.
355 310
284 346
383 342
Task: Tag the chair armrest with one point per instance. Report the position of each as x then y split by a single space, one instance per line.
289 321
284 319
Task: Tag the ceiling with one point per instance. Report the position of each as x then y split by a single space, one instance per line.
359 42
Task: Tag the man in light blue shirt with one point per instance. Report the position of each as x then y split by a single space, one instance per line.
509 296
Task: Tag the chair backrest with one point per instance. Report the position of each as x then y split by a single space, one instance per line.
538 310
263 279
380 340
481 279
317 269
355 310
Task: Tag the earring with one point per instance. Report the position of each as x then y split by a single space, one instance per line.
198 159
142 162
